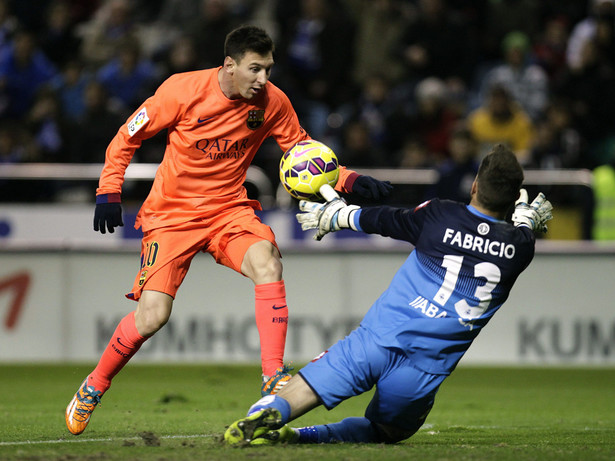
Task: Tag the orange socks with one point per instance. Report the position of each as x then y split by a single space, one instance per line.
272 323
124 343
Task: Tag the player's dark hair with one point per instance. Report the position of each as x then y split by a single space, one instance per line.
247 38
499 179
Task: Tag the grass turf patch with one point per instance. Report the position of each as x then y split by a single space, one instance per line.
169 412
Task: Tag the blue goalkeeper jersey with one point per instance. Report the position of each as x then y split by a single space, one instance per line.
461 271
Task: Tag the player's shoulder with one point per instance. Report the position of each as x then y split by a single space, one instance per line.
439 206
276 97
193 77
189 83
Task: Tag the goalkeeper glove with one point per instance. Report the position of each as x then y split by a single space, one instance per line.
371 188
108 213
534 215
327 217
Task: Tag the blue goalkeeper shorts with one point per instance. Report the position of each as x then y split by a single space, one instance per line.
404 394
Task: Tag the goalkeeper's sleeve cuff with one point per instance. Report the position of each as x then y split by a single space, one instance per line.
354 221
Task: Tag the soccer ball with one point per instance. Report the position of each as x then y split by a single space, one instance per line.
306 167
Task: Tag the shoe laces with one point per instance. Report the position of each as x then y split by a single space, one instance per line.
284 369
88 399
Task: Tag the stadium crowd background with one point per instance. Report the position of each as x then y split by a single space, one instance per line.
386 83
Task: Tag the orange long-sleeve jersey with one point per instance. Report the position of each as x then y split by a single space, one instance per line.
211 142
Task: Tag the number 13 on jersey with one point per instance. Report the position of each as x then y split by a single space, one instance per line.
485 270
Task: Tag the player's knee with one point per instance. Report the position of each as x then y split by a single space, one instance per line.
271 269
390 434
151 317
265 268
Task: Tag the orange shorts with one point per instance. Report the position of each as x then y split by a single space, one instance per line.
166 253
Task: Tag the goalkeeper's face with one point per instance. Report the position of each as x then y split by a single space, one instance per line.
251 73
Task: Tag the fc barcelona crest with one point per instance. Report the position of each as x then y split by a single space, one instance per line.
255 119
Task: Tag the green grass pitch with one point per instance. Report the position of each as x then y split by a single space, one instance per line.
170 412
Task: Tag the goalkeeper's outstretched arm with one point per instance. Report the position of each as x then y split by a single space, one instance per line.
335 214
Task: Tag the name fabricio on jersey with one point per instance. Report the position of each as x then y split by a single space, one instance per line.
478 244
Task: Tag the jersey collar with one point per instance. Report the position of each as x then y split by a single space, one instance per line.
474 211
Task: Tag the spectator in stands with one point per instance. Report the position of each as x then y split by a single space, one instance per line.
91 133
590 88
527 82
12 147
432 121
414 154
8 24
557 143
130 77
111 25
316 58
176 15
180 57
505 16
373 106
47 127
58 38
586 30
550 48
210 26
70 87
458 172
380 25
358 148
501 120
24 69
605 38
437 44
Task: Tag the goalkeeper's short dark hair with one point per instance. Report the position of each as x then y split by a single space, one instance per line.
499 179
247 38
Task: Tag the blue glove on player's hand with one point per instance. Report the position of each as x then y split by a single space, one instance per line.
534 215
326 217
372 188
107 215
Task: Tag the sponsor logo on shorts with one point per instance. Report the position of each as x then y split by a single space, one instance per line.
142 278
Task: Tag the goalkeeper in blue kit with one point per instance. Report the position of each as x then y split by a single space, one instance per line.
465 262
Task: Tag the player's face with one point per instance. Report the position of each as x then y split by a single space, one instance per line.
251 73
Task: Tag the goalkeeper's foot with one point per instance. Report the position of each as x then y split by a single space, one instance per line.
79 410
285 434
243 431
272 384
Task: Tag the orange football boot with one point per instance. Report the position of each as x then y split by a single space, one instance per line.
80 409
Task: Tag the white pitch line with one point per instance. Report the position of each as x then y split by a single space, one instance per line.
108 439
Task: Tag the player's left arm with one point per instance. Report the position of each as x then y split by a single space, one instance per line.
158 112
366 186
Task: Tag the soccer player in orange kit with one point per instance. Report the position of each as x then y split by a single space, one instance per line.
216 120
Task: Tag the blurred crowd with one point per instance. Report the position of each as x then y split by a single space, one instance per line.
386 83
